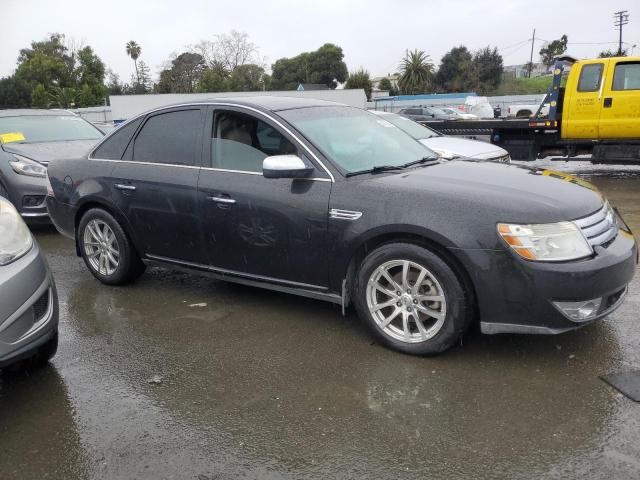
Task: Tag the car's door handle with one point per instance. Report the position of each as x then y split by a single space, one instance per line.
608 101
225 200
120 186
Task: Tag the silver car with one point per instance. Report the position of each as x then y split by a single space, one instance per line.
28 299
449 148
29 141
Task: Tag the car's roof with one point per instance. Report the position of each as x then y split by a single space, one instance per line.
267 102
380 112
23 112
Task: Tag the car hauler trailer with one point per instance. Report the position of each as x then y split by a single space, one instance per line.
596 112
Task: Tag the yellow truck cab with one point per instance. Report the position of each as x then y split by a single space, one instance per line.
602 100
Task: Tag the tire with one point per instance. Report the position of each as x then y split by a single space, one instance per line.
443 322
106 249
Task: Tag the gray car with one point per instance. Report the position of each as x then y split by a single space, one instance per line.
29 141
28 299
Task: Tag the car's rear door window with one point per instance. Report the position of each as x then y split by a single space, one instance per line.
169 138
241 142
113 147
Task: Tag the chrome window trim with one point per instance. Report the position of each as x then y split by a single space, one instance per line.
223 104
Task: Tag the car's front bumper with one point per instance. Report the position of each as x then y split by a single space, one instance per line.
28 196
517 296
28 307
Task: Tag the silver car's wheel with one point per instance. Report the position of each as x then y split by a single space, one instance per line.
406 301
101 247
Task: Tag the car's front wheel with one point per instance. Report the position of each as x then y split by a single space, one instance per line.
411 299
106 249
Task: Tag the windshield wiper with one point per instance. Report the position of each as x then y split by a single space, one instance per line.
376 169
425 160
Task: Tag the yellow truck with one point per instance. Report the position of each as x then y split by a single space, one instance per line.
593 109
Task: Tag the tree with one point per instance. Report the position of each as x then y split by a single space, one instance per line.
416 73
385 85
90 75
488 67
141 83
183 75
227 51
246 78
360 79
552 50
612 53
114 87
14 93
211 81
325 65
134 50
456 72
63 97
39 97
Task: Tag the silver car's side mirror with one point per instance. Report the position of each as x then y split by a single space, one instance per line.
285 166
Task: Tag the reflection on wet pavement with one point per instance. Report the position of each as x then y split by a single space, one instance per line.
255 384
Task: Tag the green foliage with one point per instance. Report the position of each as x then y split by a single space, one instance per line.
184 74
14 93
360 79
488 67
612 53
416 73
456 73
211 81
524 86
324 65
246 78
39 97
49 74
385 85
552 50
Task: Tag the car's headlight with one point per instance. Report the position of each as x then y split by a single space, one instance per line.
548 242
25 166
15 237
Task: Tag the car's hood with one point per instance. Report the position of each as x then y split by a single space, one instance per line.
463 147
511 193
46 152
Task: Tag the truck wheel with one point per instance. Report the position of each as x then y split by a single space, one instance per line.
106 249
411 299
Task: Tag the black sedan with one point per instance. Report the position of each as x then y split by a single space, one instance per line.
29 141
334 203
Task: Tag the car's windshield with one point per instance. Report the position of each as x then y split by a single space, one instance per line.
49 128
355 139
407 125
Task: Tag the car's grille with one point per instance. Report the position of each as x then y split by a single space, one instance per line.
599 228
41 306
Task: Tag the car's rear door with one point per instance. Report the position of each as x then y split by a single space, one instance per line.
268 229
620 116
155 184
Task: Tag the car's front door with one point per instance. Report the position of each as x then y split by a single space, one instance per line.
620 116
155 184
257 226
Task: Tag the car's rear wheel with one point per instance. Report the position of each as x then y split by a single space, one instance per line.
411 299
106 249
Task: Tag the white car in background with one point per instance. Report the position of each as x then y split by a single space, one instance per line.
457 113
447 147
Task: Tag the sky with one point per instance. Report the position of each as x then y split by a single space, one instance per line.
374 34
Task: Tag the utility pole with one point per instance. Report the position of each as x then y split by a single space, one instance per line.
621 18
533 42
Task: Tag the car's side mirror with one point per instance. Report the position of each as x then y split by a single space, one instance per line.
285 166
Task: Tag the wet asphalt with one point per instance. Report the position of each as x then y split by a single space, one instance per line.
179 376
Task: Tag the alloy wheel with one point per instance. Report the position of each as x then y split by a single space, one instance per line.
101 247
406 301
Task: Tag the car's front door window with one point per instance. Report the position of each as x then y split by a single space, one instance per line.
241 142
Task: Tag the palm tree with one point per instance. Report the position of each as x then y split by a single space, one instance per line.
416 72
134 50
